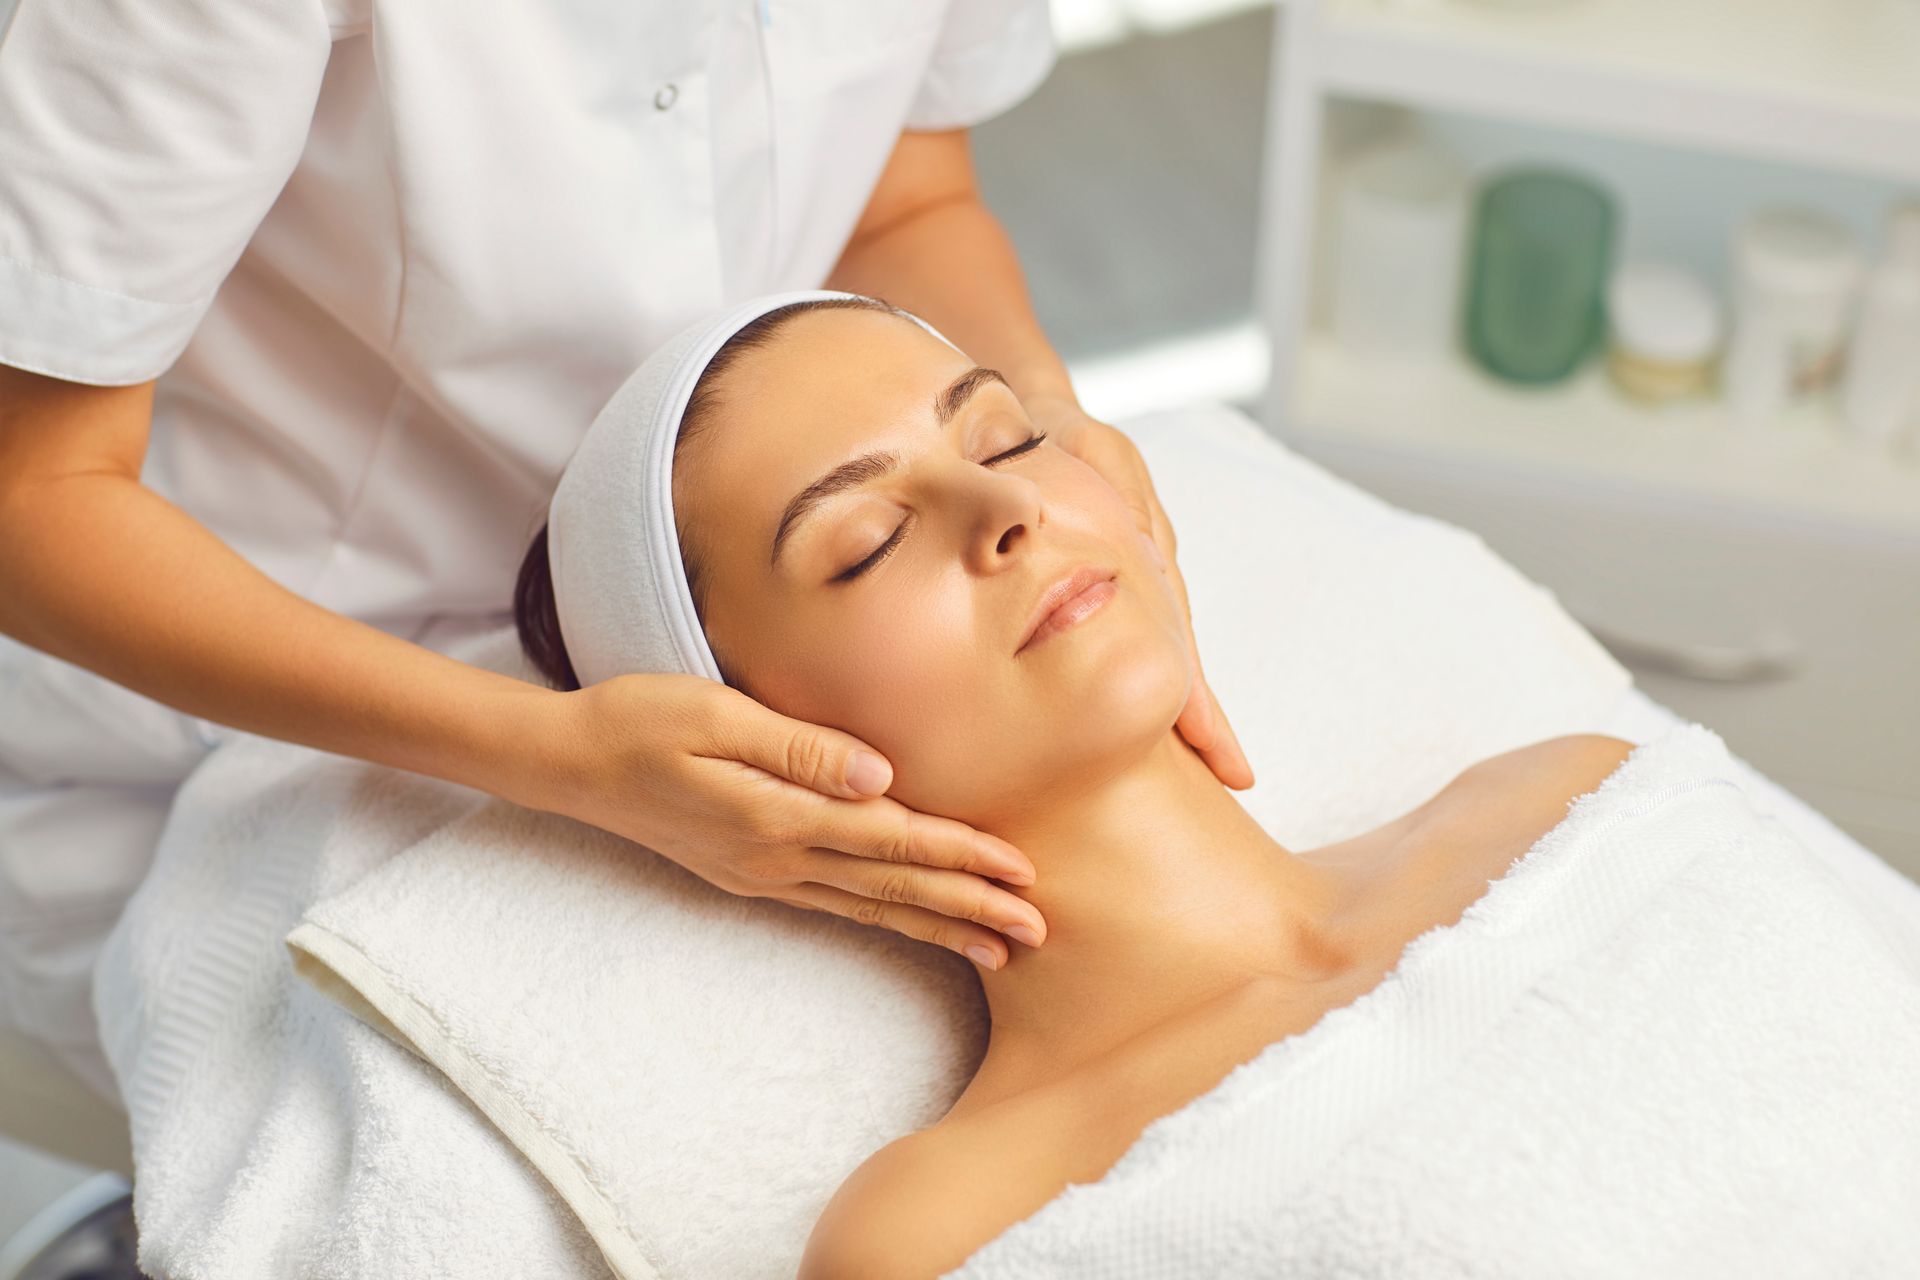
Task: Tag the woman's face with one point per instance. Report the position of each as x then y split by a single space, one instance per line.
918 649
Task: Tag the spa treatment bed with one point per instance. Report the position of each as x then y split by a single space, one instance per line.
370 1024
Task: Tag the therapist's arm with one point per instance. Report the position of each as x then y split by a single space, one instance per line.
99 570
927 242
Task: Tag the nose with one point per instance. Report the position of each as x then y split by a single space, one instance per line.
1007 510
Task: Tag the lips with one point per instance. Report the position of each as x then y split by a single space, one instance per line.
1062 590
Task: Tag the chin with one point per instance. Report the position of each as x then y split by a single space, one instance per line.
1028 752
1130 673
1139 696
1120 711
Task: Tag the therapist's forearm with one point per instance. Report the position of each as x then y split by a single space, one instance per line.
99 570
953 264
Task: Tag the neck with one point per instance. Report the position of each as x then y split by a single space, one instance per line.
1159 891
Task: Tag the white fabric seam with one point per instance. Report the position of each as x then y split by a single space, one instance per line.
71 283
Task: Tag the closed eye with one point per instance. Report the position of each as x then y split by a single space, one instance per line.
1024 446
888 547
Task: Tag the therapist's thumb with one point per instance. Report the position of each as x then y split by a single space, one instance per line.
818 758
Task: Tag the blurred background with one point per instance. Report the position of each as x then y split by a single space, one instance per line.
1631 288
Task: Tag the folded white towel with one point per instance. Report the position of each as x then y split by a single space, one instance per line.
1665 1044
693 1072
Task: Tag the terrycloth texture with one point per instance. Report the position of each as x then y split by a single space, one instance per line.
619 584
1665 1044
273 1135
1384 653
276 1135
693 1072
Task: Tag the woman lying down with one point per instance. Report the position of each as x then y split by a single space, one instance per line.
1580 1076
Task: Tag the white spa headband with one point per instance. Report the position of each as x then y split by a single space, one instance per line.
619 586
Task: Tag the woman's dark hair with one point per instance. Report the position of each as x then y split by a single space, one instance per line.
536 614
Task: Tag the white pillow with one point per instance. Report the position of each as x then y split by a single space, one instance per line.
695 1073
1364 653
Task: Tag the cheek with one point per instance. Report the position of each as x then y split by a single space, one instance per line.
883 664
1081 496
905 669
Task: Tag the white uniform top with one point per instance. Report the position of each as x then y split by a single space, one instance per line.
388 260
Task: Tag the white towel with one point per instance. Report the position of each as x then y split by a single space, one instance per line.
277 1135
1666 1044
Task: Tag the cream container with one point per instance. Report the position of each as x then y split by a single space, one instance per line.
1796 272
1880 397
1400 218
1664 332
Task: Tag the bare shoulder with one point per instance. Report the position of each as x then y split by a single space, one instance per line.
903 1214
923 1204
1498 809
1527 789
1571 758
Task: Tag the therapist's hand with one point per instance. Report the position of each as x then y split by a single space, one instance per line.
770 807
1108 451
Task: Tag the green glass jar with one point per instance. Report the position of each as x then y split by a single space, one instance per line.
1542 252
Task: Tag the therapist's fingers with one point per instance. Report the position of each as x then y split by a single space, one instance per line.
814 756
887 831
1204 725
1202 721
1112 453
981 945
820 811
1167 543
1160 533
963 899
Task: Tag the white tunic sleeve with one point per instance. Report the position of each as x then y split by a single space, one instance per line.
991 54
141 142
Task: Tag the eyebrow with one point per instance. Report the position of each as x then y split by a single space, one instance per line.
871 466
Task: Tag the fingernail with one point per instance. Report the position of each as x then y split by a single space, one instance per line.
1022 933
1017 876
868 774
982 956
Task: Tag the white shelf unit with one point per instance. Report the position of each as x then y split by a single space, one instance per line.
1799 466
1701 544
1831 84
